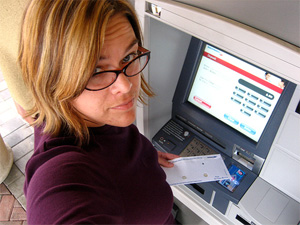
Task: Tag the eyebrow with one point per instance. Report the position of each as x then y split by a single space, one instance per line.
134 42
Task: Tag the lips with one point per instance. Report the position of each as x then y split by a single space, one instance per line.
128 104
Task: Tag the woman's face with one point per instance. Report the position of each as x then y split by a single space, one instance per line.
115 105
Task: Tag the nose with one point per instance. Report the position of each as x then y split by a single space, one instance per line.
121 85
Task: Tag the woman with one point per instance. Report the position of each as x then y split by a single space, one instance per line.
82 61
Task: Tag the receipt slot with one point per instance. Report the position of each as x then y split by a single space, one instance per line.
248 159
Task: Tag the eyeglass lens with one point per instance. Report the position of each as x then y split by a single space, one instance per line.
106 78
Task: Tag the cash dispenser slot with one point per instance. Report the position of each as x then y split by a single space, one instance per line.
248 159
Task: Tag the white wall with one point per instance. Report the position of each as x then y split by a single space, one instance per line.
168 50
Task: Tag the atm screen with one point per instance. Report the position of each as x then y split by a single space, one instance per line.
234 91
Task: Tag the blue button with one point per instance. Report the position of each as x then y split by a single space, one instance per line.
248 129
231 119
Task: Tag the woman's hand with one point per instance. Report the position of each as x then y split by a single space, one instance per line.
163 158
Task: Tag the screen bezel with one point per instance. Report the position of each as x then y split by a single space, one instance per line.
228 136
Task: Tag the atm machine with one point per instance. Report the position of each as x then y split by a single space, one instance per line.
227 88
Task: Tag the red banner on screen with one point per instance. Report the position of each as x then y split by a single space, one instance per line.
243 72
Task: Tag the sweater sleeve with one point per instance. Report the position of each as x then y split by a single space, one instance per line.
62 191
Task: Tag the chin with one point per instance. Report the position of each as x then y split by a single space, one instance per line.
123 121
126 123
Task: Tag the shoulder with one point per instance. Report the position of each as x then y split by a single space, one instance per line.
55 167
56 160
68 189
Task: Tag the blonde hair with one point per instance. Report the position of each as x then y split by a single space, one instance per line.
60 43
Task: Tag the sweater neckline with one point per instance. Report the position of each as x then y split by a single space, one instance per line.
102 129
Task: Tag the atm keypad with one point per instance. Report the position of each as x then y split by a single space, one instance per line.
195 148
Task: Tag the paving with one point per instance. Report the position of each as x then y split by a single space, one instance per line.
18 135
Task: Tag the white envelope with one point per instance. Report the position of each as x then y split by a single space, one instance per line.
197 169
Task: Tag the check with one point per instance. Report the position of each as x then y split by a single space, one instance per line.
197 169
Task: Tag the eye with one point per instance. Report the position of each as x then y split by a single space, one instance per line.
97 70
130 57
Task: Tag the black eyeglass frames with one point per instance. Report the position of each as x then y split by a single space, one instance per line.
103 79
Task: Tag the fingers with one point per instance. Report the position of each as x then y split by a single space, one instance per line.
167 156
163 158
165 163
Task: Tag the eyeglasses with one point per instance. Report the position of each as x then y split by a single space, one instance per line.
103 79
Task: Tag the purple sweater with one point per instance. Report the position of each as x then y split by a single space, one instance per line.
115 180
